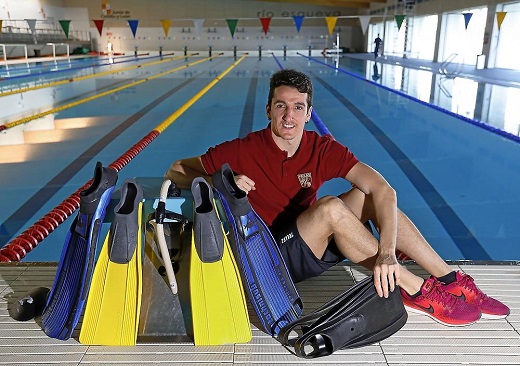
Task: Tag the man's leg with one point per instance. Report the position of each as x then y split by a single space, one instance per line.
342 218
409 240
332 217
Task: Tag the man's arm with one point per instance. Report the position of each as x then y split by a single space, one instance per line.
369 181
183 171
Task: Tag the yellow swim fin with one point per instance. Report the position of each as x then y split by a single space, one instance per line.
218 302
114 300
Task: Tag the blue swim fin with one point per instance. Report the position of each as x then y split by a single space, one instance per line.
74 274
266 279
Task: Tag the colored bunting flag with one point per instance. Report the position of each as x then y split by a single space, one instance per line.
133 26
32 24
65 26
331 23
265 24
467 18
500 18
399 19
99 25
166 26
232 24
198 26
298 20
364 20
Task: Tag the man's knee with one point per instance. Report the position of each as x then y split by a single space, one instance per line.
332 209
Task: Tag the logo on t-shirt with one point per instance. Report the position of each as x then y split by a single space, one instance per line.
305 180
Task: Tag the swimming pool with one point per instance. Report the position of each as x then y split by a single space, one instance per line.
455 178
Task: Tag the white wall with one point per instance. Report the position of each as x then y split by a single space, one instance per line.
249 36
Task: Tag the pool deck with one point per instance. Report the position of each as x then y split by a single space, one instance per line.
421 341
498 76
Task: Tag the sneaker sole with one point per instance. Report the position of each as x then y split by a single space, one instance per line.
493 316
417 311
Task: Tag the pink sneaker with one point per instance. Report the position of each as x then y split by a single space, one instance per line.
440 305
464 288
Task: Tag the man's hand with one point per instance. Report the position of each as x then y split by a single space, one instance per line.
386 273
245 183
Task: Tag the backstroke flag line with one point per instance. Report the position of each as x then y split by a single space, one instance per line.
265 24
99 25
65 24
331 23
133 26
500 18
364 20
298 20
166 26
232 24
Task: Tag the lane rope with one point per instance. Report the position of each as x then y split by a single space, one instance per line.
108 92
17 249
85 77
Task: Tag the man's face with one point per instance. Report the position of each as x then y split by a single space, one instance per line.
288 112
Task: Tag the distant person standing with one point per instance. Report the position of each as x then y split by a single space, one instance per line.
378 41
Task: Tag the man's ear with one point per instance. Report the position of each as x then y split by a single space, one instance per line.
268 111
309 113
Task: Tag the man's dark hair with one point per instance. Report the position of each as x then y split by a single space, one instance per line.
292 78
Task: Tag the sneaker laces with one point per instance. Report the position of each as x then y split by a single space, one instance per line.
468 283
440 296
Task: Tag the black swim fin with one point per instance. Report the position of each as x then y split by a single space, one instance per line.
355 318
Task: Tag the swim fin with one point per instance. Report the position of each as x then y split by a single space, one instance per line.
355 318
267 281
218 303
114 301
74 274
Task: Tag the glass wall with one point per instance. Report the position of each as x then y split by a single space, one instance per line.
373 31
506 40
423 37
422 29
458 40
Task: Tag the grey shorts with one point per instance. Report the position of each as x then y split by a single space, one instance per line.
300 260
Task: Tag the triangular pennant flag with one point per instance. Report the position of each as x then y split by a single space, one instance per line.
133 26
331 23
0 26
298 20
399 19
232 24
364 20
500 18
198 26
166 26
467 18
265 24
32 24
99 25
65 26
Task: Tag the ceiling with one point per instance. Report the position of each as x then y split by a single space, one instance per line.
363 4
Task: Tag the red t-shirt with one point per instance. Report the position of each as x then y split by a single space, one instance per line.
285 187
